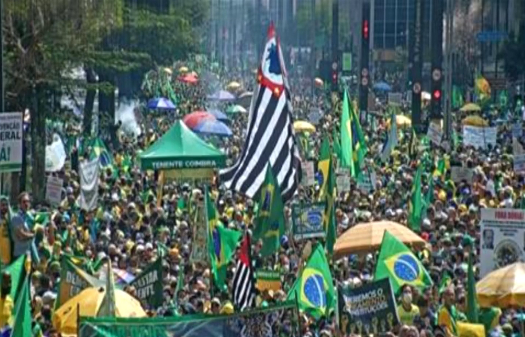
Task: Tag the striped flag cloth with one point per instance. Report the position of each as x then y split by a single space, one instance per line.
270 135
244 278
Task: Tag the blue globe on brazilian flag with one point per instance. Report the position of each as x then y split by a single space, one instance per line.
399 264
314 289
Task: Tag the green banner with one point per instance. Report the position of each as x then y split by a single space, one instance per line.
369 309
275 321
307 221
73 280
347 61
268 280
149 286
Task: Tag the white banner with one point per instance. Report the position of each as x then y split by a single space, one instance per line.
517 130
502 238
460 173
54 190
55 155
479 137
395 98
368 182
89 185
342 181
308 173
434 133
11 136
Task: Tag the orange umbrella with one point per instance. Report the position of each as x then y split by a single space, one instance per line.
367 237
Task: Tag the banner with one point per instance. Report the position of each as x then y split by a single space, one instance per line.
435 134
54 190
11 136
274 321
460 173
199 252
55 155
72 281
367 181
502 238
89 185
268 280
307 221
395 98
479 137
308 173
149 285
369 309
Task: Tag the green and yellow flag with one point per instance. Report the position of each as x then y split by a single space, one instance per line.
399 264
329 222
22 315
322 166
221 243
347 152
270 222
415 204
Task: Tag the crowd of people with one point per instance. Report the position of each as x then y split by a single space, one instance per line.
131 227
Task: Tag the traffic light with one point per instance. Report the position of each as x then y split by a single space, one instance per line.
364 58
437 94
334 78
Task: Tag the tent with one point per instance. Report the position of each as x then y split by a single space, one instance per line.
180 148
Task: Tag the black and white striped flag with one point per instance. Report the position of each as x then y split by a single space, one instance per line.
270 136
244 278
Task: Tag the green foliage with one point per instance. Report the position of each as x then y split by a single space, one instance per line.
323 22
513 53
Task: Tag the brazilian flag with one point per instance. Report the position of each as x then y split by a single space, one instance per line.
100 151
314 290
399 264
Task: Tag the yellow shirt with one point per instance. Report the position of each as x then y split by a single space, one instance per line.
6 310
5 243
446 321
407 317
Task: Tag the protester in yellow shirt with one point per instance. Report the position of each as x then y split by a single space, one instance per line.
5 238
447 314
406 311
6 302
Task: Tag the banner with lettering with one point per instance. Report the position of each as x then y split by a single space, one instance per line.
89 185
369 309
307 221
11 135
502 238
274 321
268 280
149 285
73 280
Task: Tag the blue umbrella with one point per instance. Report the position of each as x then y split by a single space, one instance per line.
382 86
213 127
222 95
161 103
218 114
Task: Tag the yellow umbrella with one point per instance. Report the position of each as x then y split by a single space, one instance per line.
233 85
183 70
401 121
302 126
474 120
88 303
367 237
503 288
318 82
470 107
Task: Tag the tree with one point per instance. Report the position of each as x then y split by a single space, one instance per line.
43 40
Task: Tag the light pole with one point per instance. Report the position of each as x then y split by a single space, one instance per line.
448 67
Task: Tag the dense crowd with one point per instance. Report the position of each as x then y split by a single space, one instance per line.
131 227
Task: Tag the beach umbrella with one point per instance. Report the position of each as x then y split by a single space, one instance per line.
189 78
183 70
191 120
503 288
219 115
303 126
382 86
88 302
233 85
471 107
161 103
475 120
318 82
222 95
213 127
367 237
236 109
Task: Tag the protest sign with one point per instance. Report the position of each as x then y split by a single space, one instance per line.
199 252
434 133
502 238
395 98
72 281
342 181
307 221
11 136
268 280
479 137
89 185
277 320
367 181
314 116
460 173
54 190
308 173
369 309
149 285
517 130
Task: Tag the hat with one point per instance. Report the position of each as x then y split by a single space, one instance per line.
227 308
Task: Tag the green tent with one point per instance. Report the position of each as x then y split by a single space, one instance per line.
180 148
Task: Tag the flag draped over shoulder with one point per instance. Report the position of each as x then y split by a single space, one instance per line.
269 224
270 136
323 163
399 264
221 243
314 289
415 205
